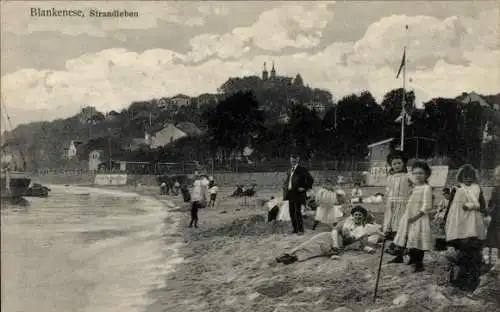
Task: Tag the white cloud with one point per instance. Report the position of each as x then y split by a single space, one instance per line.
456 39
111 79
210 9
297 26
272 30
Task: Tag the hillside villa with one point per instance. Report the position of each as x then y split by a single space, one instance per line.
180 100
171 133
71 150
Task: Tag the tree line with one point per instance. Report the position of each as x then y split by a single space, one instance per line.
271 121
443 128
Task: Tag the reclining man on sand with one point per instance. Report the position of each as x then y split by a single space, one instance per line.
353 230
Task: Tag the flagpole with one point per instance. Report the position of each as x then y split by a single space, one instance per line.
403 100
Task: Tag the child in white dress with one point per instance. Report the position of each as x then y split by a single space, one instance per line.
213 189
330 206
356 194
414 230
465 228
397 191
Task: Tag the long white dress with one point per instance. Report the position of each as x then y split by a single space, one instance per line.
328 211
397 192
418 234
461 223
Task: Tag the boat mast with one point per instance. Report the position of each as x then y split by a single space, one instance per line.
23 159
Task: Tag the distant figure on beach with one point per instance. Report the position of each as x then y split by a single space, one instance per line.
213 189
357 194
377 198
354 231
177 187
238 192
250 191
163 188
186 196
273 209
493 234
199 195
297 183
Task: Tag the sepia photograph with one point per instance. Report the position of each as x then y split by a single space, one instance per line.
250 156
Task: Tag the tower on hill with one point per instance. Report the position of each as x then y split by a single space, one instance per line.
273 79
265 74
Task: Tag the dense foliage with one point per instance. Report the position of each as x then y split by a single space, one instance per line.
250 113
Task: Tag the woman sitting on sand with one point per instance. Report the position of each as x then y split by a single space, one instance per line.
354 229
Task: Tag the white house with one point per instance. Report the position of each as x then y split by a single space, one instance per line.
378 151
206 98
167 135
180 100
70 151
95 159
473 97
136 143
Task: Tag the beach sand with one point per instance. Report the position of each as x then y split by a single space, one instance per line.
229 266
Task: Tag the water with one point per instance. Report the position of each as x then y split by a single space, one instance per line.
84 249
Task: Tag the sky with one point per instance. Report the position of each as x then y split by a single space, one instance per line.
52 66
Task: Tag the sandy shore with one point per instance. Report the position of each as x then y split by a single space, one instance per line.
229 267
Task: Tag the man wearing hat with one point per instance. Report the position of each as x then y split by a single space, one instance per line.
353 229
297 183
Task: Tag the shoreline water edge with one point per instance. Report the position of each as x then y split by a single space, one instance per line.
227 266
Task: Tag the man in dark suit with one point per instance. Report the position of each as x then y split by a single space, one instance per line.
297 183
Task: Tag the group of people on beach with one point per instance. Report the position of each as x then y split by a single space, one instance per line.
203 195
411 221
462 221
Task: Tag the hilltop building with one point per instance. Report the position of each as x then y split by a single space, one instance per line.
272 79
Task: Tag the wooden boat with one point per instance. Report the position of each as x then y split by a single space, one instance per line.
13 184
37 190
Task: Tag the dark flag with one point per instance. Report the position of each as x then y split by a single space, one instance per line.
403 61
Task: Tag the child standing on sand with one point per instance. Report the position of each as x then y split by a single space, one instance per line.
213 193
414 231
330 206
398 190
465 228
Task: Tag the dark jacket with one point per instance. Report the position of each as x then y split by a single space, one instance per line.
493 235
494 206
301 178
